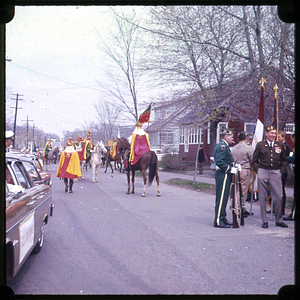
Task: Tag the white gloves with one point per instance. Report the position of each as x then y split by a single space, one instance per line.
233 170
239 167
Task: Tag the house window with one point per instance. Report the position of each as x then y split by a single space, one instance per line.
167 137
194 135
289 128
219 130
249 127
181 137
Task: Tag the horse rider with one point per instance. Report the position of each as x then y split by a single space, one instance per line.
87 147
9 136
139 143
114 150
79 147
69 166
71 140
47 148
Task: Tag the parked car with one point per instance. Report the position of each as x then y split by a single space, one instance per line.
28 207
159 153
46 176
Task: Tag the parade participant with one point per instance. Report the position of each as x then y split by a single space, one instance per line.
9 136
269 162
47 148
79 147
200 159
71 140
87 147
281 138
224 169
69 166
242 154
291 159
114 150
139 143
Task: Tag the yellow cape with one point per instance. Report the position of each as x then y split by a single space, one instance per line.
44 152
131 157
74 164
86 142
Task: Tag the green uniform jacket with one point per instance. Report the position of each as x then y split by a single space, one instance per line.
223 157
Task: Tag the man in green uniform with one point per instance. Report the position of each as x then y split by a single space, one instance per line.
224 169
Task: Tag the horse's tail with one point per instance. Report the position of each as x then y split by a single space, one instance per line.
152 167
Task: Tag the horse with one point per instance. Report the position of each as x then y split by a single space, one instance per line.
98 153
51 158
148 160
117 159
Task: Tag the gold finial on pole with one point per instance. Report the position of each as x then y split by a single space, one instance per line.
276 91
262 82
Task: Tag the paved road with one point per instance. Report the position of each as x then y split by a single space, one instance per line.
102 241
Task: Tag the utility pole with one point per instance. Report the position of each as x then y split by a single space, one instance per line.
16 110
27 131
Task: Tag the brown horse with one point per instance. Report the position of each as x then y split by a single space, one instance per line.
117 159
148 160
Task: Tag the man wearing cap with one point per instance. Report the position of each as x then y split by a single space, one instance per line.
242 154
269 162
69 166
224 169
9 136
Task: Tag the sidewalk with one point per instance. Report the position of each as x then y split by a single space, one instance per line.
207 177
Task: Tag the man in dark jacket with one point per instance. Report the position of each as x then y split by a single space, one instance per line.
200 159
269 162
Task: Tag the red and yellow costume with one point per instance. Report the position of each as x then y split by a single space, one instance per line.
69 164
87 146
80 145
47 148
139 144
114 150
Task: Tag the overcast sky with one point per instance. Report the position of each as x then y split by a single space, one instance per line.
55 65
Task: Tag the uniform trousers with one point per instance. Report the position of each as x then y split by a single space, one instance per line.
223 181
273 178
245 183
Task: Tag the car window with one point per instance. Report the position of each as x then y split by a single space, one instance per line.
21 175
38 165
30 168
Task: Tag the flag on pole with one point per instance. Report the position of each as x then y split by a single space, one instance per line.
145 116
275 112
259 129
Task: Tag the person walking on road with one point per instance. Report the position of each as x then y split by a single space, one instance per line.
269 162
224 169
69 166
242 154
200 159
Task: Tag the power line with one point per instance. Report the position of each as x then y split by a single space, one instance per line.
68 82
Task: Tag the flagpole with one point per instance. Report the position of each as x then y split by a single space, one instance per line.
276 108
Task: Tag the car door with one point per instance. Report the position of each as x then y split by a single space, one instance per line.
23 207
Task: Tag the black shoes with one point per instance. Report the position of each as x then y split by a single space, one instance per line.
288 218
281 224
66 188
223 226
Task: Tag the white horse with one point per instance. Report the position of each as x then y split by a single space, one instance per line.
96 160
51 159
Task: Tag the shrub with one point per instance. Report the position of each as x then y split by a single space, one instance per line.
172 162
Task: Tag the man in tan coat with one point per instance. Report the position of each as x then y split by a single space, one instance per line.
242 154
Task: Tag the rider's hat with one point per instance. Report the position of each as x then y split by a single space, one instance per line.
69 143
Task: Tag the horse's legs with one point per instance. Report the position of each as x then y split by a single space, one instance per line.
157 181
128 181
145 182
112 170
133 189
96 172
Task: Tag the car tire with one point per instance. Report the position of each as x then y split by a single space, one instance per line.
40 242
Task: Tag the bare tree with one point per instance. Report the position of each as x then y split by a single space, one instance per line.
122 72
